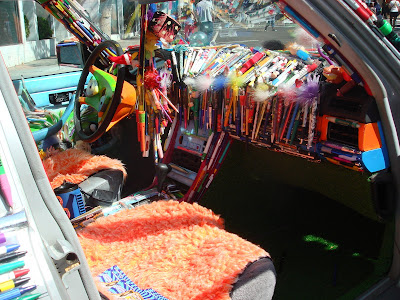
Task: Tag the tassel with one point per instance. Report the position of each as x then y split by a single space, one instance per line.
151 79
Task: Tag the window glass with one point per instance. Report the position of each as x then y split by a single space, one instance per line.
9 23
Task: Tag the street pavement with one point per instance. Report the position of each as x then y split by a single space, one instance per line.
251 37
254 37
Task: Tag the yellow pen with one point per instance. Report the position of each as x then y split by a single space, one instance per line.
12 283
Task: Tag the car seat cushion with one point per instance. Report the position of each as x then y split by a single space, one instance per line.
75 165
178 249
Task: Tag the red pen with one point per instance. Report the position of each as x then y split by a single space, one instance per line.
247 65
13 274
362 10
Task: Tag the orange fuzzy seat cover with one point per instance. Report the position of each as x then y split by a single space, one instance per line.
74 166
181 250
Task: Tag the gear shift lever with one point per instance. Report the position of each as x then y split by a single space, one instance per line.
161 172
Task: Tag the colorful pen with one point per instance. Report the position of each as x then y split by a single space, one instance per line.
13 283
341 147
13 274
344 122
355 168
4 268
29 297
8 248
296 108
7 257
5 189
16 292
283 76
339 153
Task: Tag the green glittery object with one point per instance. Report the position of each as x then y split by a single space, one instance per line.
328 245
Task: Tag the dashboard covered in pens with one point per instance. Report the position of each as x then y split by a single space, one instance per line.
300 104
303 101
294 101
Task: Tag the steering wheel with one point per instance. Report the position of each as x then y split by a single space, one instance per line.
105 102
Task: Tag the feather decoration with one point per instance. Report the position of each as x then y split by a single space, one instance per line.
203 83
236 81
189 81
309 90
288 93
220 82
166 79
263 92
151 79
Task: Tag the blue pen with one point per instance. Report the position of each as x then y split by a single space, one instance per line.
66 44
8 248
201 116
16 292
300 20
340 153
89 34
296 108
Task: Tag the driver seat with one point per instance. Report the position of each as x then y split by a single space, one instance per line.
102 188
99 177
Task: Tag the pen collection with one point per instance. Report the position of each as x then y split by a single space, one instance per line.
293 101
267 98
13 283
69 13
272 99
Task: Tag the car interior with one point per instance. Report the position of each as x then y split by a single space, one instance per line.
173 171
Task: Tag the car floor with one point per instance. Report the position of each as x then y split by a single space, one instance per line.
322 248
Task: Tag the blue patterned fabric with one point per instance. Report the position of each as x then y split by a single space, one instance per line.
119 283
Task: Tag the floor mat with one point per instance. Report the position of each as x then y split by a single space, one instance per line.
321 248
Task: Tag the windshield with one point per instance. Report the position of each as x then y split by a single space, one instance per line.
34 30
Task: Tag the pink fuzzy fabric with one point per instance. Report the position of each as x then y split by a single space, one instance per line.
74 165
178 249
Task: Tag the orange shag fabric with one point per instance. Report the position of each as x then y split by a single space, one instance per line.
74 165
178 249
